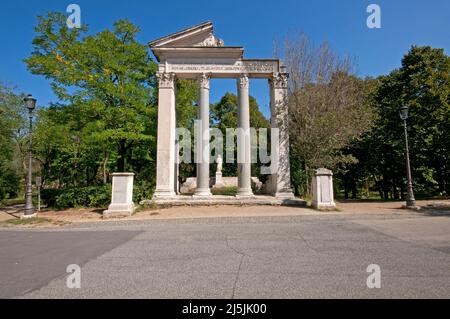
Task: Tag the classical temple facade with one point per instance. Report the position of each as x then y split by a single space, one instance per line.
195 53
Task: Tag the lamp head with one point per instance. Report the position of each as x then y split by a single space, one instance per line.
30 102
403 111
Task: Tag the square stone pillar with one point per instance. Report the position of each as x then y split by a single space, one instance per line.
280 179
165 153
122 195
323 195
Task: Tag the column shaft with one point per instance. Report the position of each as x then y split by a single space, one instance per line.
244 146
203 139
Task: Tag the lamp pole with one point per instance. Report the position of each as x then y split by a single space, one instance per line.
410 200
29 209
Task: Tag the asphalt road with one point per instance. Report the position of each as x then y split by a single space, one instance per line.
323 256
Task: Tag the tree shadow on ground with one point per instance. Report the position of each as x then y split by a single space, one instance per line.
436 210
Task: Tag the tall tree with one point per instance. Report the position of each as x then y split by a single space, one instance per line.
423 84
186 113
107 78
11 132
326 106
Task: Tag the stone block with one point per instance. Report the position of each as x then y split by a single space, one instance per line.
323 195
122 196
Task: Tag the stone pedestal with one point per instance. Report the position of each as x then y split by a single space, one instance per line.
122 196
323 197
218 182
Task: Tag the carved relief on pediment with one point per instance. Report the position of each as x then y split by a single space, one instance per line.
211 41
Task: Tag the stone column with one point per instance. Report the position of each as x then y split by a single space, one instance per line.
244 151
202 189
165 153
281 177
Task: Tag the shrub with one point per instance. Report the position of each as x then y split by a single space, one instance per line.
142 190
9 183
49 196
91 196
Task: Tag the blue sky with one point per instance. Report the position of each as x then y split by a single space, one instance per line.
252 24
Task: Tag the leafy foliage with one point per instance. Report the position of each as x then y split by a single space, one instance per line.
92 196
328 107
423 84
106 79
11 122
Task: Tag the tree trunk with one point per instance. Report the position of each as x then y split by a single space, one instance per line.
402 191
308 186
105 161
385 187
395 190
354 190
122 154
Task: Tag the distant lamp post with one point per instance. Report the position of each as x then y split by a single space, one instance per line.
410 200
30 103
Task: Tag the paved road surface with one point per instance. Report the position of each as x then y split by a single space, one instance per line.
266 257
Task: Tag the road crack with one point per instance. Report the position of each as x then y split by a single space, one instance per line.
242 255
306 243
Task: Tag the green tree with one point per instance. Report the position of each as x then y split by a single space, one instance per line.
11 132
106 78
423 84
186 113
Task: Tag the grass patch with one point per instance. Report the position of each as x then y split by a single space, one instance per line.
12 201
18 201
35 221
228 191
26 221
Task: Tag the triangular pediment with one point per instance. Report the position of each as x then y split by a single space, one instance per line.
197 36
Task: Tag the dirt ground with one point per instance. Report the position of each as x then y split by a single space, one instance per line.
70 216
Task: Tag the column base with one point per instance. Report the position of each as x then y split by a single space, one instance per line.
202 193
119 210
28 216
218 183
163 194
323 206
284 194
244 193
415 207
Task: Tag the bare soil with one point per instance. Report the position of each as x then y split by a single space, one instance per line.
81 215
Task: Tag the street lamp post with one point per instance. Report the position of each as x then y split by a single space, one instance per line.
410 200
30 103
